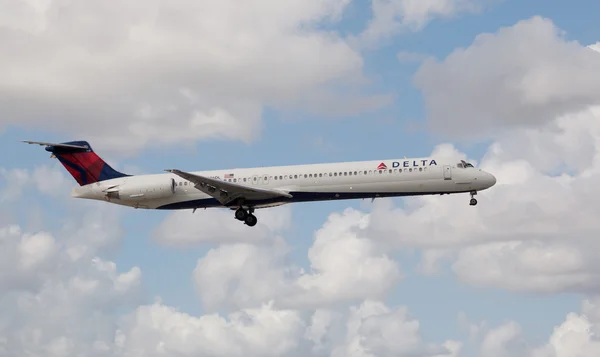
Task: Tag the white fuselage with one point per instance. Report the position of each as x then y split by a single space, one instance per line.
318 182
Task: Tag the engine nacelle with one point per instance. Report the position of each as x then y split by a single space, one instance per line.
142 191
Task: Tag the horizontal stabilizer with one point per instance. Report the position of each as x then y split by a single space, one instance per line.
66 146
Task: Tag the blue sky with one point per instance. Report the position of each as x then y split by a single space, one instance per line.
293 136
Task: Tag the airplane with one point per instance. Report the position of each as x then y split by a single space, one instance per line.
246 189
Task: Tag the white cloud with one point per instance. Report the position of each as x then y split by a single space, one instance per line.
546 223
576 336
568 144
242 275
504 341
521 76
183 228
24 258
266 331
527 266
92 232
344 267
171 72
54 306
345 264
373 329
393 16
157 330
72 310
48 180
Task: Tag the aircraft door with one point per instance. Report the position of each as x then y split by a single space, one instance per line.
447 172
255 179
265 179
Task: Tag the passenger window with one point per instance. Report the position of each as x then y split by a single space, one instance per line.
420 169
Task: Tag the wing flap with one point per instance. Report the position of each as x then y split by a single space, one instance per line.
228 192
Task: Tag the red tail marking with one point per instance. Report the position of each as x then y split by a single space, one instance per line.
89 162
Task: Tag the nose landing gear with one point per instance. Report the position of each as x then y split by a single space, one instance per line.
473 201
246 216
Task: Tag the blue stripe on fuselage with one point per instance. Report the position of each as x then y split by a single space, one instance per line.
299 197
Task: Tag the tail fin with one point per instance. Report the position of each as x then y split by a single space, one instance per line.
81 161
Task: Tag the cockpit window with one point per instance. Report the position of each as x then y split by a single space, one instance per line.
463 164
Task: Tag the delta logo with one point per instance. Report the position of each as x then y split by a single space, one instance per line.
382 166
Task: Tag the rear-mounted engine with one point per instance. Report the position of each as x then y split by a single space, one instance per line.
140 191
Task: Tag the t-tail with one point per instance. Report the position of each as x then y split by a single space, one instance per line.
81 161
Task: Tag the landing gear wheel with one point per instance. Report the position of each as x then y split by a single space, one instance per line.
473 201
241 214
251 220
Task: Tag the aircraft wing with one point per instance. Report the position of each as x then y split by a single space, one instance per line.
227 192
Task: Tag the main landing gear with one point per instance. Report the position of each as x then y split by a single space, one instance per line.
246 216
473 201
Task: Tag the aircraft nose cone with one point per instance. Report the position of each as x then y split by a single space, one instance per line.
490 179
